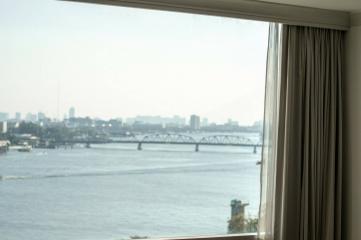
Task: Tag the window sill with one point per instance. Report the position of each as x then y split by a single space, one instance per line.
245 236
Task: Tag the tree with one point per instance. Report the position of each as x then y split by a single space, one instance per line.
29 128
240 224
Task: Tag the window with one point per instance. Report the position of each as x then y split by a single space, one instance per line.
121 123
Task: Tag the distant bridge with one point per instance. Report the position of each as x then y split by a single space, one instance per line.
179 139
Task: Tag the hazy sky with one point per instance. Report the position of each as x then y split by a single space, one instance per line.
120 62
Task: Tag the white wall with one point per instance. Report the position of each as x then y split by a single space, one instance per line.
352 132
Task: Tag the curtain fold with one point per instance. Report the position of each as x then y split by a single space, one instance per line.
304 199
268 167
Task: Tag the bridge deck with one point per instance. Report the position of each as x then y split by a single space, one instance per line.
176 139
171 143
192 143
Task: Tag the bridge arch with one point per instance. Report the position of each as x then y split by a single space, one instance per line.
226 140
168 138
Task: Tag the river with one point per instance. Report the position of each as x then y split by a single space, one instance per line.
114 191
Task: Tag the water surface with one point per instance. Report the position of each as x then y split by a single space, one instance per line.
115 191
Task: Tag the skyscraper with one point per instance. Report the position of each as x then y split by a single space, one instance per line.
3 127
72 112
30 117
195 122
41 116
4 116
17 116
204 122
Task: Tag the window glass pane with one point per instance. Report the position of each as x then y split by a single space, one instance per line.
121 123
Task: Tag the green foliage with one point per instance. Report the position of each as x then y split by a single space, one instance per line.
29 128
138 237
58 133
240 224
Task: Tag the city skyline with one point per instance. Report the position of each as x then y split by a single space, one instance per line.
122 62
182 120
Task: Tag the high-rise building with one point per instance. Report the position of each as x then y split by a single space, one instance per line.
30 117
17 116
41 116
204 122
195 122
232 123
3 127
4 116
72 112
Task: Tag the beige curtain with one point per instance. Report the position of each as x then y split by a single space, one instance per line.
305 203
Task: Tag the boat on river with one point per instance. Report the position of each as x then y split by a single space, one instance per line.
25 148
4 146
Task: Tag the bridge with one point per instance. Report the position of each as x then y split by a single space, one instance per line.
180 139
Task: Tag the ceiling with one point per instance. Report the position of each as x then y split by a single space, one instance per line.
353 6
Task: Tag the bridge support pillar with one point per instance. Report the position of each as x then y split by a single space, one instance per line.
139 146
197 147
254 149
